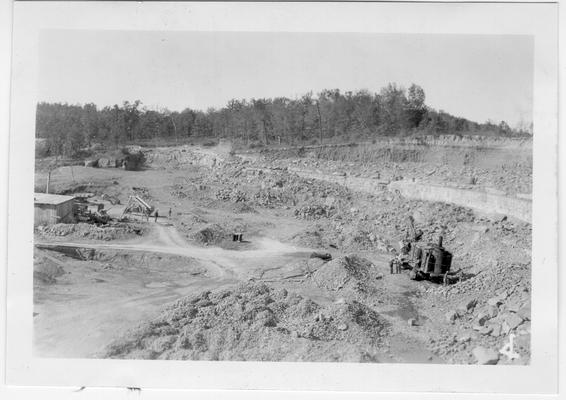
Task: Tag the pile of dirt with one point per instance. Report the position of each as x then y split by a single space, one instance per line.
313 238
210 234
345 273
255 322
89 231
45 269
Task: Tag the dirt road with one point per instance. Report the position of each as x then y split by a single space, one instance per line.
108 302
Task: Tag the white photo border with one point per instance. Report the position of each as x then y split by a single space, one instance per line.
538 20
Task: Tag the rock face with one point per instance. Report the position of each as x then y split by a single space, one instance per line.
485 356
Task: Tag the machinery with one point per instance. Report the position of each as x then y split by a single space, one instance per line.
136 205
426 261
91 213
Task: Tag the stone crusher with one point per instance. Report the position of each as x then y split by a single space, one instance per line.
137 205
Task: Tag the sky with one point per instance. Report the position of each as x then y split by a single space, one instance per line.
478 77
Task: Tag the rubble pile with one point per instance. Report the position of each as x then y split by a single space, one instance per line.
234 195
352 273
486 309
270 198
45 269
314 211
92 232
255 322
210 234
179 191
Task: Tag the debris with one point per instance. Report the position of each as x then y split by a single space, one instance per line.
224 324
322 256
233 195
314 212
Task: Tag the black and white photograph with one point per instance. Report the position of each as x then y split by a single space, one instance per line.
243 195
283 197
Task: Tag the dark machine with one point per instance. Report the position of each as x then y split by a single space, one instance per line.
426 261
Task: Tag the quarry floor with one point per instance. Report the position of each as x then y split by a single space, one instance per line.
128 281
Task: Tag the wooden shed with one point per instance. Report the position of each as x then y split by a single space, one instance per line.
53 209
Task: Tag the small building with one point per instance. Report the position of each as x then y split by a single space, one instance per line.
53 208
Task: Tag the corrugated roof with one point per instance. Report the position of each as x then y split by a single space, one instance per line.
45 198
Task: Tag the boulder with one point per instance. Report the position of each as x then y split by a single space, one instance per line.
482 318
467 306
512 320
485 356
492 311
513 306
451 316
525 311
486 330
497 300
496 331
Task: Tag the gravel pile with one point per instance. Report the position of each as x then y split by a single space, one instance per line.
255 322
90 231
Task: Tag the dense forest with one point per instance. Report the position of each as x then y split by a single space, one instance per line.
329 116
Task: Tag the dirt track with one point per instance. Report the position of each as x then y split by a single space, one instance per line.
61 331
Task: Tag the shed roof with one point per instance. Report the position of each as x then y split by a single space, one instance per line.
45 198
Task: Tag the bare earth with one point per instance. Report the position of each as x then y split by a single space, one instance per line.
179 288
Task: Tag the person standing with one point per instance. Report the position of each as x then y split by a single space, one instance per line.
169 212
156 215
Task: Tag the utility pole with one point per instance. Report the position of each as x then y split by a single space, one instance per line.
48 179
319 120
174 129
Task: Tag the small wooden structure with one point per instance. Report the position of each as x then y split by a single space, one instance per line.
53 208
137 205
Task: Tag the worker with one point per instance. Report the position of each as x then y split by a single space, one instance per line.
156 215
169 212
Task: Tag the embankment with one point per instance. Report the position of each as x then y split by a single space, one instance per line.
482 201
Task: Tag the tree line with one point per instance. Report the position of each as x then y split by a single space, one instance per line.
330 115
